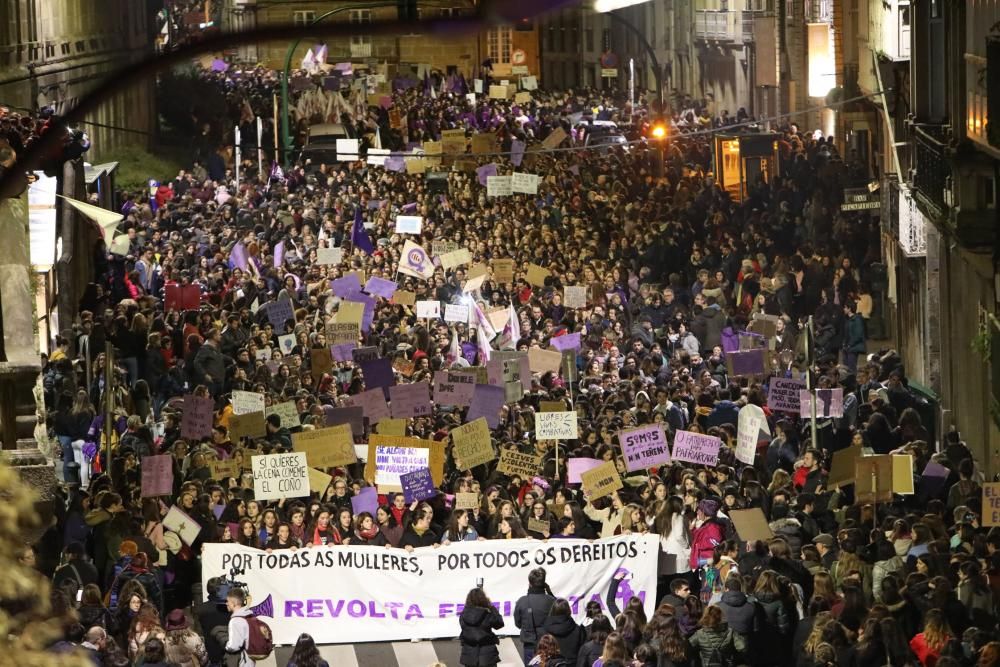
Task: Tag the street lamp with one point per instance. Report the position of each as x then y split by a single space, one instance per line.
602 6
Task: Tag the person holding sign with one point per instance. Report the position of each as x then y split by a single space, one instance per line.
419 533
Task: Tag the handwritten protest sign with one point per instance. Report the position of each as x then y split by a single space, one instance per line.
644 447
390 456
486 402
417 485
279 312
404 297
157 475
556 425
601 481
456 313
178 521
696 448
453 388
830 403
503 270
223 469
873 478
372 404
277 476
246 426
783 394
466 501
498 186
287 412
536 275
472 443
196 418
326 447
513 462
575 296
746 438
524 183
455 259
342 333
410 400
991 504
245 402
329 256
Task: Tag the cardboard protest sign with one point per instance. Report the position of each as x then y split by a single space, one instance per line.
554 138
751 524
602 480
991 504
318 481
513 462
365 501
157 475
498 92
429 309
483 143
342 333
390 426
472 443
486 402
404 297
326 447
540 526
223 469
783 394
247 426
196 417
902 474
696 448
277 476
522 98
512 392
372 404
575 296
551 406
390 456
873 478
644 447
417 485
842 467
321 361
245 402
544 361
466 501
830 403
410 400
179 522
537 275
455 259
503 270
453 388
556 425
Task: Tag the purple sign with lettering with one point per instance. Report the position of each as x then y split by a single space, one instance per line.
417 485
783 394
750 362
487 402
644 447
365 501
410 400
342 352
279 312
372 403
696 448
157 475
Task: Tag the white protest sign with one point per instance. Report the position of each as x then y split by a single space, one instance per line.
409 224
327 256
391 462
429 309
456 313
524 183
277 476
347 149
245 402
498 186
555 425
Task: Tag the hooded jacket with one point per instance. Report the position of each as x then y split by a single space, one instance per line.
791 530
530 614
568 633
740 612
479 643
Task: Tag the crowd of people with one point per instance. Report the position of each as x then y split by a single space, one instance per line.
672 264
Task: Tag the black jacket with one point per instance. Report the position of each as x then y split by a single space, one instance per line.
530 613
571 637
479 642
739 611
589 653
209 616
411 539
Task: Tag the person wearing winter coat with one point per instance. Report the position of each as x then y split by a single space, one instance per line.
715 642
531 610
706 534
568 633
788 527
478 621
739 610
887 562
184 646
774 627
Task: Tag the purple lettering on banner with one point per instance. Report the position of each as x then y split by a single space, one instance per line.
378 373
487 402
576 467
644 447
347 286
380 287
372 403
342 352
566 342
417 485
783 394
410 400
365 501
696 448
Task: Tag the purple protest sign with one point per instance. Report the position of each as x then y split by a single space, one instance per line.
783 394
342 352
516 152
365 501
351 415
576 467
346 287
484 172
566 342
486 402
279 253
730 340
933 479
830 403
395 163
749 362
410 400
380 287
372 403
644 447
417 485
453 388
378 373
196 417
157 475
219 65
696 448
279 312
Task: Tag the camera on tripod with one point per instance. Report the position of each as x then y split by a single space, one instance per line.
231 583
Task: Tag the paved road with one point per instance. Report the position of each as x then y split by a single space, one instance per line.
401 654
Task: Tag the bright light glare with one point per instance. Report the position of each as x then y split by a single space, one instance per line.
659 132
603 6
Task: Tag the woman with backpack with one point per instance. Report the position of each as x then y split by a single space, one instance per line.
715 643
478 620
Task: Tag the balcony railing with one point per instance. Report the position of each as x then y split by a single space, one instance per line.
723 26
932 177
361 50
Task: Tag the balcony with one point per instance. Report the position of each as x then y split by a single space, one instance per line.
932 175
361 49
723 26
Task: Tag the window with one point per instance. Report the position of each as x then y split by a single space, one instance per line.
498 44
303 18
451 12
789 9
361 16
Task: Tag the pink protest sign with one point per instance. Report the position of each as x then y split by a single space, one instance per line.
157 475
372 402
696 448
196 417
410 400
576 467
644 447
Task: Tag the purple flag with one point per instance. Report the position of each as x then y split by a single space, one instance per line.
279 254
238 257
359 237
730 340
484 172
365 501
516 152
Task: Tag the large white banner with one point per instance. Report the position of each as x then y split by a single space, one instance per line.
349 594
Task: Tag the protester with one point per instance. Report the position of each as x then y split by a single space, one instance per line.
478 621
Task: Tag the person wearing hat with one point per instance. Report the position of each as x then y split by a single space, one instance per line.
184 646
827 548
707 533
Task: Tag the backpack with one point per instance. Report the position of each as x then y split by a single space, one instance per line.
260 640
72 586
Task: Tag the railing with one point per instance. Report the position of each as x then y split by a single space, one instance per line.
932 177
723 26
362 50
